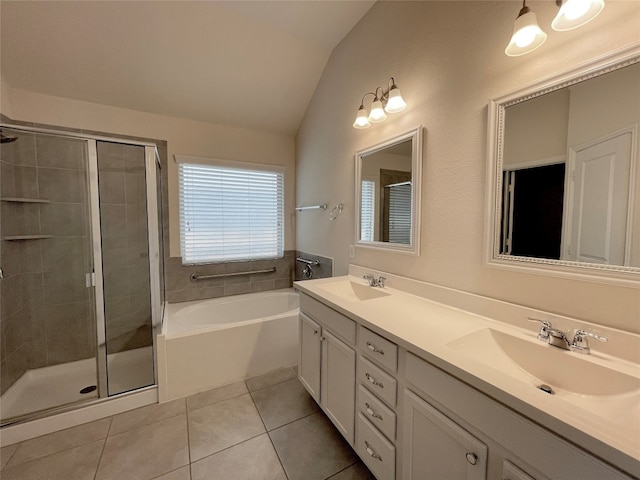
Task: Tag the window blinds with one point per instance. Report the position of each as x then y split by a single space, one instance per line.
230 213
400 213
367 210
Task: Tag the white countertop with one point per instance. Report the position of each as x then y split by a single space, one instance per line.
606 426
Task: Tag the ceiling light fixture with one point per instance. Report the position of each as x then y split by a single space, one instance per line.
527 35
575 13
389 100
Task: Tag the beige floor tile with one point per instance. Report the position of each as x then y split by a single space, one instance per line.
59 441
6 453
283 403
271 378
357 471
311 448
223 425
146 452
211 397
77 463
254 459
183 473
146 415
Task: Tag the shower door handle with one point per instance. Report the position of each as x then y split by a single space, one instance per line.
90 280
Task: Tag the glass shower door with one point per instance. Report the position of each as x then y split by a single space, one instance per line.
47 313
128 326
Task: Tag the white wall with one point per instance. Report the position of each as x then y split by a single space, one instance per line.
183 137
448 59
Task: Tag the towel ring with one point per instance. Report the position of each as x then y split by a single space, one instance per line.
337 210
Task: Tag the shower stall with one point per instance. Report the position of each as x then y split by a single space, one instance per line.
80 269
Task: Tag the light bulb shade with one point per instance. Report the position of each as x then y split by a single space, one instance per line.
527 35
362 120
377 112
395 103
575 13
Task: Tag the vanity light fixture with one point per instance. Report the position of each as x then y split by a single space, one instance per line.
575 13
389 101
527 35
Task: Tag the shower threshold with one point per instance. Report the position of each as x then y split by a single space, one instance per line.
50 387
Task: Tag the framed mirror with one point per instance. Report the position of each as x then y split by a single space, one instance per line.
388 180
563 180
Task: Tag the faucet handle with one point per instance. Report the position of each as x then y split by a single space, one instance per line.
543 334
380 281
580 341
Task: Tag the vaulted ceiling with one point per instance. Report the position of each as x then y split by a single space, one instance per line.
252 64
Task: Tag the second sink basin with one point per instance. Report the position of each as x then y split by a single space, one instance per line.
352 291
560 369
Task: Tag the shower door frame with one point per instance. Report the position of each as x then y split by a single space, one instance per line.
152 165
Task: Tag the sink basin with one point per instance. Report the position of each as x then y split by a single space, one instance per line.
560 369
352 291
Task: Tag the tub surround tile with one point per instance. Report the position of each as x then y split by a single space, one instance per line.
271 378
217 395
78 463
250 460
283 403
220 426
146 415
298 445
59 441
126 455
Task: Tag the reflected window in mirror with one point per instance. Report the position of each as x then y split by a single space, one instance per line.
564 182
387 193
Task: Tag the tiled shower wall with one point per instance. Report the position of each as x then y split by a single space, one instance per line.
45 318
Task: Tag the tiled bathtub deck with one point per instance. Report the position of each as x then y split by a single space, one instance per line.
266 428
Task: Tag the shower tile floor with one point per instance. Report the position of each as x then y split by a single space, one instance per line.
265 428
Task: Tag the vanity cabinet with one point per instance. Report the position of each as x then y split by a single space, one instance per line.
463 424
328 362
438 447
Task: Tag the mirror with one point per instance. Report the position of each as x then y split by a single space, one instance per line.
563 180
388 179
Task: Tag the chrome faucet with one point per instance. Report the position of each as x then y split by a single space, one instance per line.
557 338
373 281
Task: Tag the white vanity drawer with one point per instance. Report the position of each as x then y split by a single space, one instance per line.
378 381
378 348
377 413
334 321
375 450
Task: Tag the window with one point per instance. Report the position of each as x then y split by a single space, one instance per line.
230 212
367 210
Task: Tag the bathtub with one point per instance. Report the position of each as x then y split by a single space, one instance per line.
210 343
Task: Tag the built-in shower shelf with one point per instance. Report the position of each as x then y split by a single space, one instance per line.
24 200
13 238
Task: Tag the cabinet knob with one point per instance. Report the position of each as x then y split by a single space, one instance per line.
472 458
315 332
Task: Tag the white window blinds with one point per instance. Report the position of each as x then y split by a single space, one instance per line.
229 213
400 213
367 210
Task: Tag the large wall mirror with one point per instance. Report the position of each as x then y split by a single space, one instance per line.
388 179
563 178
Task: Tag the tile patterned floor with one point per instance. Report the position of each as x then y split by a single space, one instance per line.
265 428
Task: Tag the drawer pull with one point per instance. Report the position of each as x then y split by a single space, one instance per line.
373 381
371 412
371 452
472 458
315 332
374 349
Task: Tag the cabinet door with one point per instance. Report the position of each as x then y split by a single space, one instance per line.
310 348
436 448
338 390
